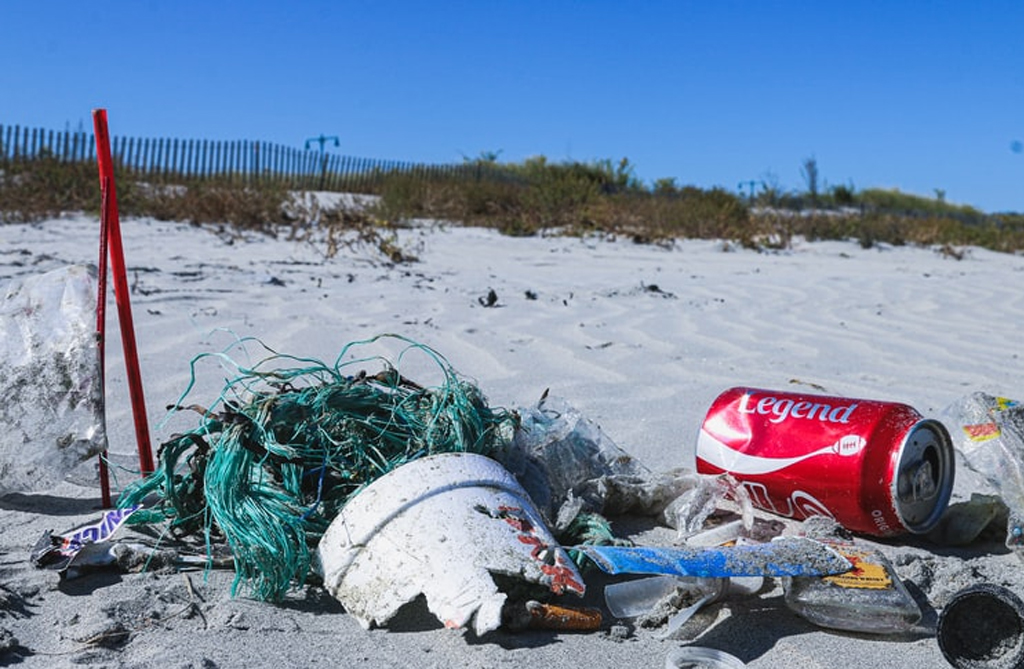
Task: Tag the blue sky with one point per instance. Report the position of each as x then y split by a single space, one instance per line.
910 95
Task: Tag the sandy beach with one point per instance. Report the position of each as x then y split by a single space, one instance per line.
640 338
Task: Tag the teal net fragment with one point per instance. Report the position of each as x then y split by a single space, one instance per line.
290 440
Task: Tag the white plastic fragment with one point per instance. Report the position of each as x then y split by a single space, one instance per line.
699 656
639 596
52 408
643 596
717 536
439 526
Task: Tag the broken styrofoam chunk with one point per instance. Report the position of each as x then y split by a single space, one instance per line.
439 526
52 411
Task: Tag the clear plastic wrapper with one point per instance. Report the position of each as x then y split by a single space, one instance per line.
569 466
52 409
988 431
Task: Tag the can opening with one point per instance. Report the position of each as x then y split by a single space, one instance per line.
930 460
924 477
919 481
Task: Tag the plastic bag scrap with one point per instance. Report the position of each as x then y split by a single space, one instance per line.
988 431
52 411
92 547
58 552
572 470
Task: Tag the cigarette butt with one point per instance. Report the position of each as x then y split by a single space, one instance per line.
553 617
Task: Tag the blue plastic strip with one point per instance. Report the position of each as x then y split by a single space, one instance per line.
782 557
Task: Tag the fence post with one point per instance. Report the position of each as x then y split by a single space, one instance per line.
243 160
130 157
240 159
158 159
275 164
145 157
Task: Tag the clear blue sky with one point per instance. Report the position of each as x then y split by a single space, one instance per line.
910 95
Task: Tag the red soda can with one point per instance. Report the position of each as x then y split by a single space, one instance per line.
877 468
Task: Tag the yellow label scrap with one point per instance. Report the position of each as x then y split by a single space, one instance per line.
1005 403
866 573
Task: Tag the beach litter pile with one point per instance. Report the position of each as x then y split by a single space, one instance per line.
382 488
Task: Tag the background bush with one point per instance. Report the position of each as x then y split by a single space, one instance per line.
528 198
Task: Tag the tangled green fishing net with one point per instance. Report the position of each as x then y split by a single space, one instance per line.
290 440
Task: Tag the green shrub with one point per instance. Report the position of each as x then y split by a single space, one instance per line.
894 201
45 187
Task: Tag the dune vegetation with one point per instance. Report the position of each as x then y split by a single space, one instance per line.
534 197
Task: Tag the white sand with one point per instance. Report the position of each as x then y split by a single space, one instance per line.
640 338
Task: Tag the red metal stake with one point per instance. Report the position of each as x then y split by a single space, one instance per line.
112 227
101 330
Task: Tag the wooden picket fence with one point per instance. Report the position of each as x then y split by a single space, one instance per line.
167 160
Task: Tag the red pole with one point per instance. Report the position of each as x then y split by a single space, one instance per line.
101 329
121 297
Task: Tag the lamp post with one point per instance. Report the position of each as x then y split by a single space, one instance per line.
322 140
750 184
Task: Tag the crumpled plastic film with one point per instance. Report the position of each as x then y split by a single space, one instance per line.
564 461
51 385
688 513
570 466
988 431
